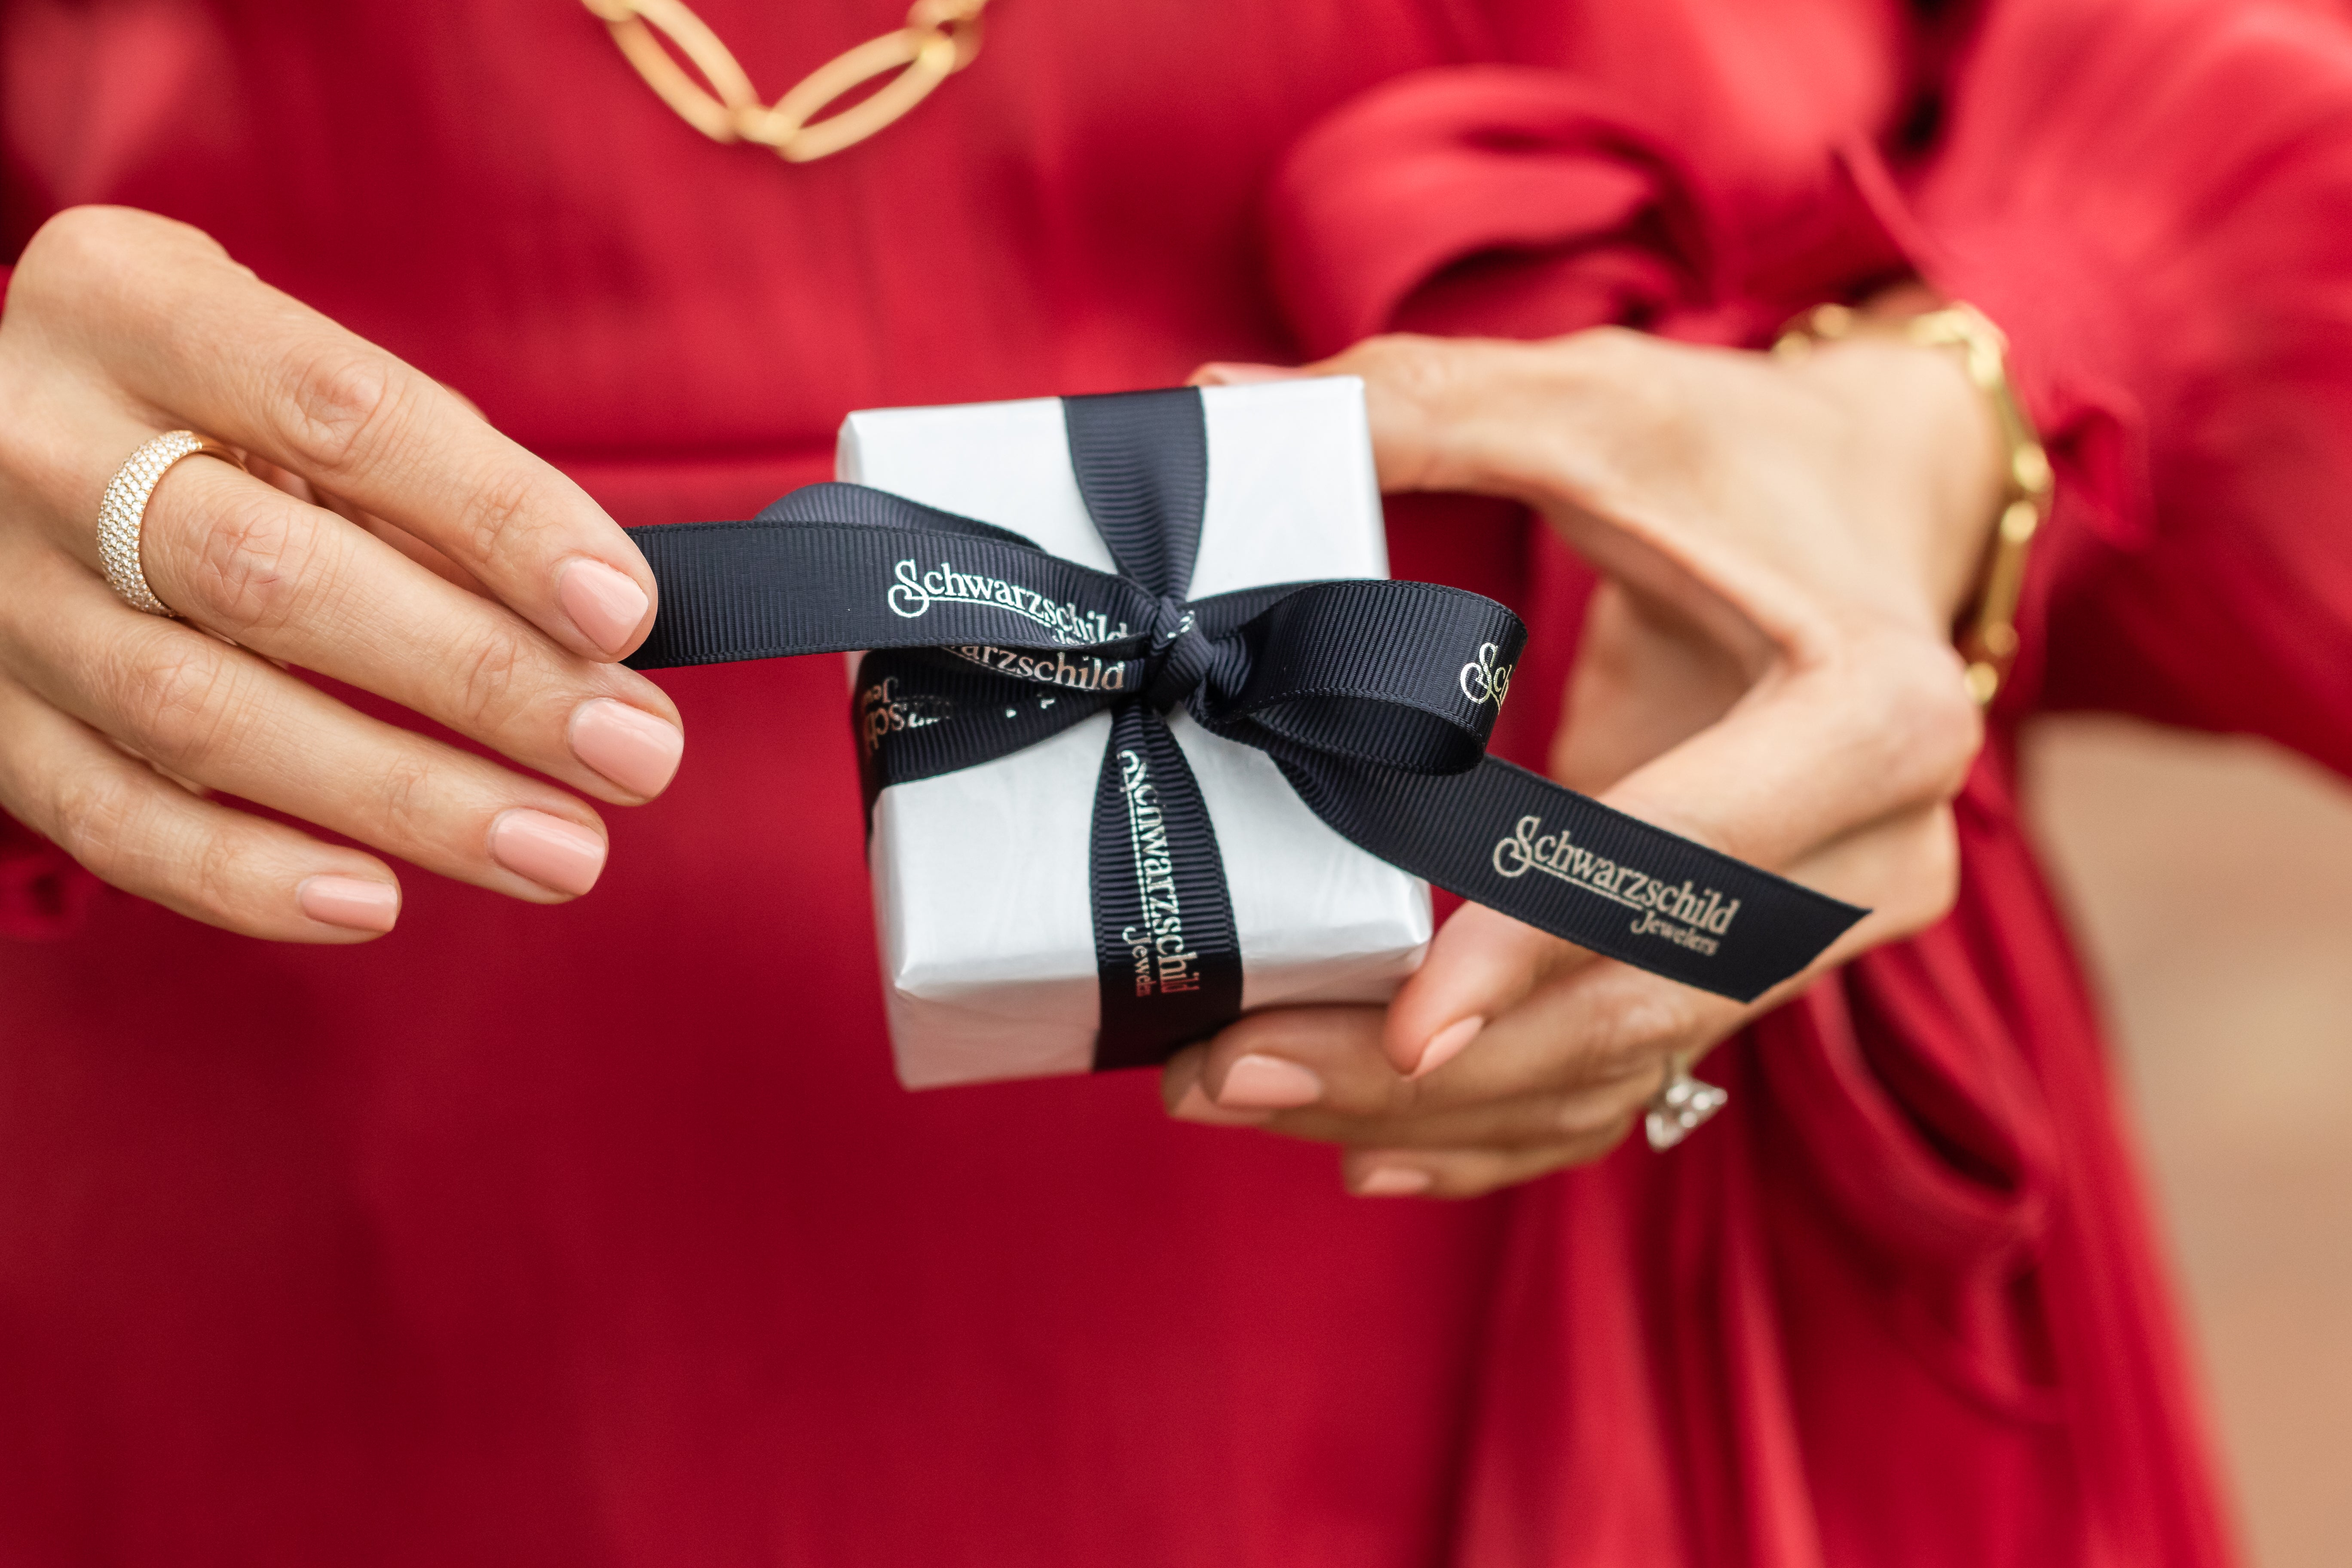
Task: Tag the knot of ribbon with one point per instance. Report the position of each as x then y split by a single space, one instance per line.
1375 698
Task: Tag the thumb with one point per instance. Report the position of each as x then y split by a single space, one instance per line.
1481 965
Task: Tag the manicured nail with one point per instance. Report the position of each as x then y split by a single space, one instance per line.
603 603
627 745
1268 1083
1195 1105
1446 1044
1221 372
1394 1181
350 903
558 855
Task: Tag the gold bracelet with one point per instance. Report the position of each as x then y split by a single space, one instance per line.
1988 642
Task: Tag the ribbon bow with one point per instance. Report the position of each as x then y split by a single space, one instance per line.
1375 698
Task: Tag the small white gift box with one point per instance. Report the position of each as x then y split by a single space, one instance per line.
981 887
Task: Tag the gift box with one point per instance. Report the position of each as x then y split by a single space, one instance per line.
1148 738
980 876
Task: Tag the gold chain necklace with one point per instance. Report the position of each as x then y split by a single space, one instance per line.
940 37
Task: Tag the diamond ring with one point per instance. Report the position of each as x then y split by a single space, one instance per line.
123 512
1681 1104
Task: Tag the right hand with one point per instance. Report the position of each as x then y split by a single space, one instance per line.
387 538
1766 670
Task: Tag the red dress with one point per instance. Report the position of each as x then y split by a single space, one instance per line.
601 1235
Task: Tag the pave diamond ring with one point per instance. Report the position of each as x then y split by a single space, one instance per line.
124 510
1680 1106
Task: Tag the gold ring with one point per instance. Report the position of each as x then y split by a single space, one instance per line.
123 513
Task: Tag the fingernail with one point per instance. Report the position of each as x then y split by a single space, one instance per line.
627 745
558 855
1194 1105
1393 1182
603 603
350 903
1221 372
1268 1083
1446 1044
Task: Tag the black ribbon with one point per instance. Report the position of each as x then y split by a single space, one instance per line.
1376 699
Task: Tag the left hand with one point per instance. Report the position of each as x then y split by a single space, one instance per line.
1767 668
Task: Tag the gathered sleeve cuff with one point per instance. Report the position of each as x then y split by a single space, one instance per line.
2151 200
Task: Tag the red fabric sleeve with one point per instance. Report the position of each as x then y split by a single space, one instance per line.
2152 199
42 891
2148 196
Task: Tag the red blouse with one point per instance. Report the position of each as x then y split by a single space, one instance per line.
602 1235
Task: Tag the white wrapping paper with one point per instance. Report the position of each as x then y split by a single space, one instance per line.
981 887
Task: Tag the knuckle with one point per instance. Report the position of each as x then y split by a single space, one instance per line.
1952 729
1930 880
487 676
99 251
1649 425
249 564
72 234
90 814
406 797
499 516
339 400
1614 348
1927 725
214 880
81 245
173 696
1423 394
1406 365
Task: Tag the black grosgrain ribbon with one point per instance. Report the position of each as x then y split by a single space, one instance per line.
1375 698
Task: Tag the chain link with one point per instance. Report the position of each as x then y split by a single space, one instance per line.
1990 641
940 37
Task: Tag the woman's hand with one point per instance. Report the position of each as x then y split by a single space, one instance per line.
1767 669
387 537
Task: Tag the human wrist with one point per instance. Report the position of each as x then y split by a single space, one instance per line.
1927 446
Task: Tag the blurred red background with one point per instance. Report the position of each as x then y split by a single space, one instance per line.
2211 883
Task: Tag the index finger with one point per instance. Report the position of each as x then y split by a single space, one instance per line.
206 343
